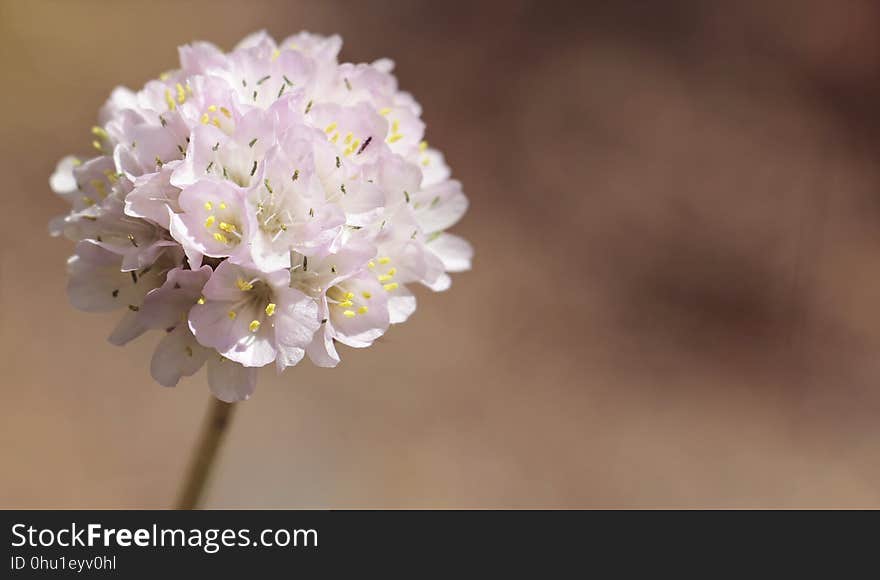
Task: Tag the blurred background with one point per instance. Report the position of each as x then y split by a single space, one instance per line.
676 213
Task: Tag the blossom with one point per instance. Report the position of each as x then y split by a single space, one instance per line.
259 207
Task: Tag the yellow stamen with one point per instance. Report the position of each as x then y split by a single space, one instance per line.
212 108
222 205
201 300
97 145
231 314
244 285
209 206
366 295
395 138
228 228
385 278
100 132
423 145
204 119
384 260
209 223
349 137
348 313
270 309
275 54
254 325
371 264
221 238
330 127
99 186
385 110
181 94
225 112
169 100
392 286
346 304
362 310
216 122
349 295
392 271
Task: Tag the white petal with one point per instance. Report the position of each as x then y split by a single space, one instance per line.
229 381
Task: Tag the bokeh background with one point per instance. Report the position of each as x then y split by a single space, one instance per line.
675 299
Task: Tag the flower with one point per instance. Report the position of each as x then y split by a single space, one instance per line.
257 207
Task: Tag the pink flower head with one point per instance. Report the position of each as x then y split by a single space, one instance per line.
258 206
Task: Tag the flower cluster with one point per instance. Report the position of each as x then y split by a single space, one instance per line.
259 206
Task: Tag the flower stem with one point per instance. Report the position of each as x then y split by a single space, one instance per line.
219 417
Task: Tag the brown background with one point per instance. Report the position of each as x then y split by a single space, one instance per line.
675 299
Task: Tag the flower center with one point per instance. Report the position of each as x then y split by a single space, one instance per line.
222 223
349 303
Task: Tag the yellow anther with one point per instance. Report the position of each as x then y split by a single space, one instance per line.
335 138
362 310
209 206
110 175
99 186
222 205
228 228
384 260
275 54
231 314
349 137
270 309
164 76
221 238
99 132
97 145
426 161
392 286
216 122
392 271
244 285
169 100
346 304
395 126
423 145
371 264
366 295
204 119
254 325
212 108
209 223
348 313
330 127
384 110
181 94
201 300
395 138
385 278
349 295
225 112
188 349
